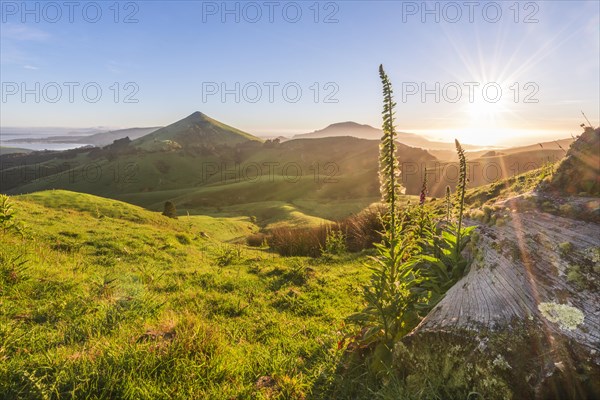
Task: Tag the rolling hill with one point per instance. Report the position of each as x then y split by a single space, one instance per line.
196 130
543 149
207 167
97 288
494 168
368 132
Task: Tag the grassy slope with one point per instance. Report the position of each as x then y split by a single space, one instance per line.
489 170
320 172
85 205
488 195
310 202
118 302
323 194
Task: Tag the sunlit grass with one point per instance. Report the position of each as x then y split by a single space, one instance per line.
117 302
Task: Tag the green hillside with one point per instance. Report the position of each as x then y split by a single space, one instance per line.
195 130
493 169
101 299
206 167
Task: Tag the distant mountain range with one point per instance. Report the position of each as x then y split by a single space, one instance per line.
363 131
99 139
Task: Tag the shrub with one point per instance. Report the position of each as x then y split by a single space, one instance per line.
170 210
487 214
7 217
298 241
335 243
364 229
256 239
355 233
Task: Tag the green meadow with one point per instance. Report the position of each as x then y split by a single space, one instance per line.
101 299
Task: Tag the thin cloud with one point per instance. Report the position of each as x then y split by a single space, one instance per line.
24 33
30 67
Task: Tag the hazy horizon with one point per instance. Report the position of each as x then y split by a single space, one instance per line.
533 136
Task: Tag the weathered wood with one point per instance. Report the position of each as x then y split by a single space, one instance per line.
516 268
521 267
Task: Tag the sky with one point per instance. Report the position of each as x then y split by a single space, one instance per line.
489 73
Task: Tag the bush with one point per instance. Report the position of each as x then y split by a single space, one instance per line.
7 217
335 244
298 241
170 210
357 232
364 228
256 239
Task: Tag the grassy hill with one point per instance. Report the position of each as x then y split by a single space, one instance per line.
314 172
544 148
85 206
107 300
493 169
205 167
195 130
363 131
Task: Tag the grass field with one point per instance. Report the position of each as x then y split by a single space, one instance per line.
102 299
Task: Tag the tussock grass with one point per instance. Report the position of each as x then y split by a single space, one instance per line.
358 232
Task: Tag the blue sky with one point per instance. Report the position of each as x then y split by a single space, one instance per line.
175 58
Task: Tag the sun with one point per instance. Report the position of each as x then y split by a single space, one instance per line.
484 112
483 121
